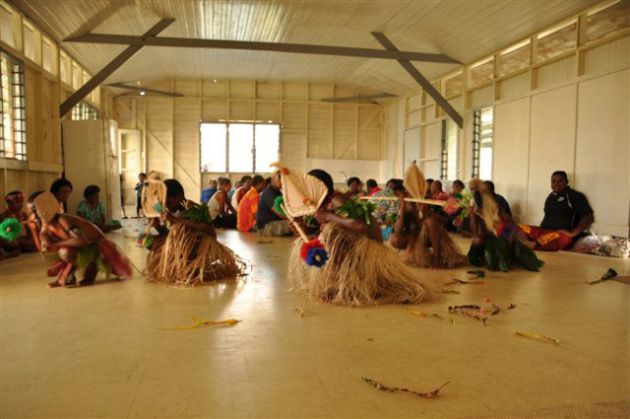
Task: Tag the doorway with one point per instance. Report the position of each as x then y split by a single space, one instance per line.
131 164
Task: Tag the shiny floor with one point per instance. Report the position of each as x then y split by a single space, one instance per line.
102 351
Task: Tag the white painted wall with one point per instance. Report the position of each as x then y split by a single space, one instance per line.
547 119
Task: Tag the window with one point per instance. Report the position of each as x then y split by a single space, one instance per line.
83 111
483 133
12 109
239 147
448 167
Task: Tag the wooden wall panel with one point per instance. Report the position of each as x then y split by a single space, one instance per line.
511 151
603 150
268 111
293 149
210 88
552 145
319 91
269 90
320 133
214 109
515 86
608 57
241 110
159 135
345 131
369 137
186 146
430 149
557 73
125 112
295 91
294 115
187 87
309 127
242 89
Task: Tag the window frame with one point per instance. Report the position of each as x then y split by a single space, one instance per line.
83 111
16 101
478 138
227 171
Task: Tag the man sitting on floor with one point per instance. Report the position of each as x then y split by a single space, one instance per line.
567 215
248 206
269 221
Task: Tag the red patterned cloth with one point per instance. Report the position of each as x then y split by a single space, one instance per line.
550 240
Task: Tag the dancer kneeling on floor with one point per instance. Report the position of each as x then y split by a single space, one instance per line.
424 239
187 251
78 243
360 270
495 241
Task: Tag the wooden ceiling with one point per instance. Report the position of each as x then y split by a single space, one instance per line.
466 31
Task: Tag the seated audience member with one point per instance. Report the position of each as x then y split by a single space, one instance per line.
232 191
246 184
92 209
456 220
268 221
207 193
15 209
437 192
458 187
372 187
386 210
248 207
354 188
142 179
221 211
427 194
567 215
61 189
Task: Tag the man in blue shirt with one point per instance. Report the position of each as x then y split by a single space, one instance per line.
207 193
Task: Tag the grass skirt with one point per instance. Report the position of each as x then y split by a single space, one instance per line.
443 255
359 271
189 257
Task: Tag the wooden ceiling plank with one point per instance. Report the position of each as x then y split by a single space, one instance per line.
99 77
422 81
261 46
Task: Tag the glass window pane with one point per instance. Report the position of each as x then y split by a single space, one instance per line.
213 147
485 163
267 147
241 158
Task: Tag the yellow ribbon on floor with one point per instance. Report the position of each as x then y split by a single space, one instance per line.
198 323
536 336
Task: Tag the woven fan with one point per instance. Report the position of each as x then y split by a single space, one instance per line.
414 181
153 198
47 206
302 194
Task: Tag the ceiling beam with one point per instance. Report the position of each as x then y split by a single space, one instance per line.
422 81
144 89
95 38
99 77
